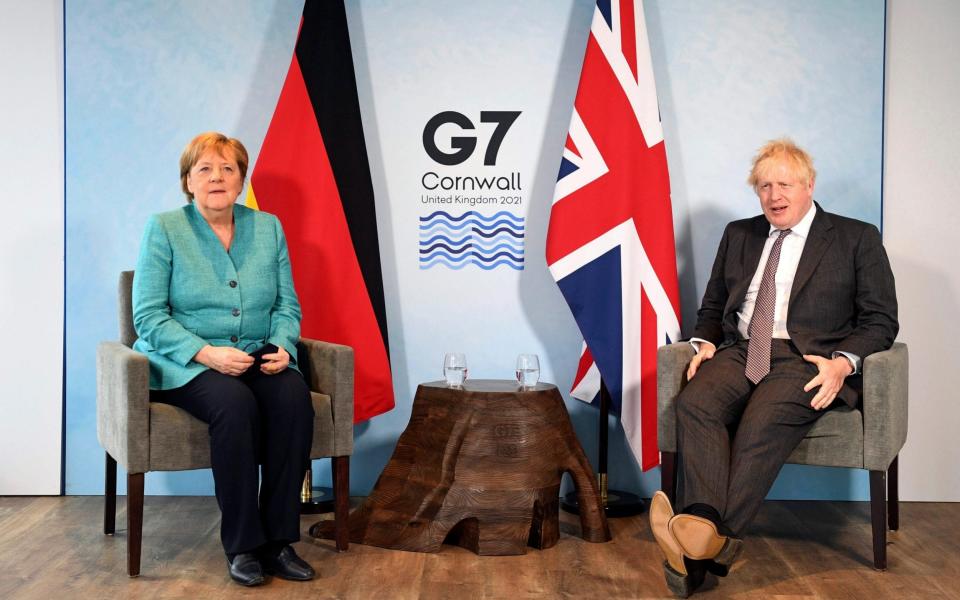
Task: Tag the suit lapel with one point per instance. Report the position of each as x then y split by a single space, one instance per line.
820 238
754 246
242 236
752 249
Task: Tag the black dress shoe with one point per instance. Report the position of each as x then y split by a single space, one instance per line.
245 569
287 565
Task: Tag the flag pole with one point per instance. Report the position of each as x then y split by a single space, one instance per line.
616 503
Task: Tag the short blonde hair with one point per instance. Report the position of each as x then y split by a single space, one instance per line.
202 143
782 151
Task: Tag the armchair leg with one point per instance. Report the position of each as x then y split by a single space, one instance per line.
668 475
341 501
893 495
878 517
109 495
134 522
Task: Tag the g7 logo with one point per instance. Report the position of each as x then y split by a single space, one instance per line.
465 145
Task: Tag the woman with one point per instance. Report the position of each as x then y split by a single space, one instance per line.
217 315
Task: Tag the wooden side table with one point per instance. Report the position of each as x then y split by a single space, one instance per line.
479 466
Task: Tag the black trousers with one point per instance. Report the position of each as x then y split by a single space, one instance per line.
253 419
733 436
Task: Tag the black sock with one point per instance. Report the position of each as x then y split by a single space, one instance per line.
704 510
711 514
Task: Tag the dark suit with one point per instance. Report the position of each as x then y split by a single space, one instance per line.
842 299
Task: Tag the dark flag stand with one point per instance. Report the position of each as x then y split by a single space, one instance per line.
616 503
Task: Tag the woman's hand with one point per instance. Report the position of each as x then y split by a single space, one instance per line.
276 362
225 359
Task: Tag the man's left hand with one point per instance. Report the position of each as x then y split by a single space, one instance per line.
276 362
830 379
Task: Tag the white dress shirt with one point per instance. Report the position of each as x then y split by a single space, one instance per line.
790 252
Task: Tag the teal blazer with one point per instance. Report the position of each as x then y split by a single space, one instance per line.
189 292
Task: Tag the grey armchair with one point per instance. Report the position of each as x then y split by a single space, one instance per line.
867 438
144 436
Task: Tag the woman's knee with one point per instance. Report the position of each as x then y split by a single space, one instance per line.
234 402
288 392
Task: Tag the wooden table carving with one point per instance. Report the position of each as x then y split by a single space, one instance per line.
479 466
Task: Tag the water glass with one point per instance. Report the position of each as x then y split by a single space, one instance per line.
528 370
455 368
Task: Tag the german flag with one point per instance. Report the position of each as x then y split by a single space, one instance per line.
313 173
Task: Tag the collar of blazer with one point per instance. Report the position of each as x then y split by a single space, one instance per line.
242 233
820 238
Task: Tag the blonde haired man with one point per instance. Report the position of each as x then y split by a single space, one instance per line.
797 298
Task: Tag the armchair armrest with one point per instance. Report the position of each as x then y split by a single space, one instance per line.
331 373
123 405
885 377
672 361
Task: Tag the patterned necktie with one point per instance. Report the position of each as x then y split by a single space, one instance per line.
761 323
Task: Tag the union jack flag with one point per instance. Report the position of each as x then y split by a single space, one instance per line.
610 242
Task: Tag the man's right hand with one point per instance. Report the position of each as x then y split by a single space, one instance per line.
225 359
706 352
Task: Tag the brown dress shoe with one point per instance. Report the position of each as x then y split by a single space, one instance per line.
681 580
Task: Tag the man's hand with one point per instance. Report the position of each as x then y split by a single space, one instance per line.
830 379
225 359
706 352
276 362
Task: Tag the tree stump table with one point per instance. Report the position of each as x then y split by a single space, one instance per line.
479 466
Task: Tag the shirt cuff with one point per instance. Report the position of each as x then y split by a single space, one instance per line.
853 358
695 342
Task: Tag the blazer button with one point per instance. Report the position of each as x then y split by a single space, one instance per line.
234 339
236 312
233 283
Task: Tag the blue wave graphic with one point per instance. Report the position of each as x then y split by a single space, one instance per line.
457 266
472 213
471 255
469 246
471 238
474 222
443 230
451 237
490 234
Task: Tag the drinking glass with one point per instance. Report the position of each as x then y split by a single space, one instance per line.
455 368
528 370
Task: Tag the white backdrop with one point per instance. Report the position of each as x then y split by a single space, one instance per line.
922 219
31 246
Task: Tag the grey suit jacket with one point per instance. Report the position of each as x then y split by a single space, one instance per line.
843 296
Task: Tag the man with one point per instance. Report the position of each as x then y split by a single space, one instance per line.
797 298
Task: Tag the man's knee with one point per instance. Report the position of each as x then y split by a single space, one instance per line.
718 392
695 404
768 429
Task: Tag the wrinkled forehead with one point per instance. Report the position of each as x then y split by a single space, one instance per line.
782 168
